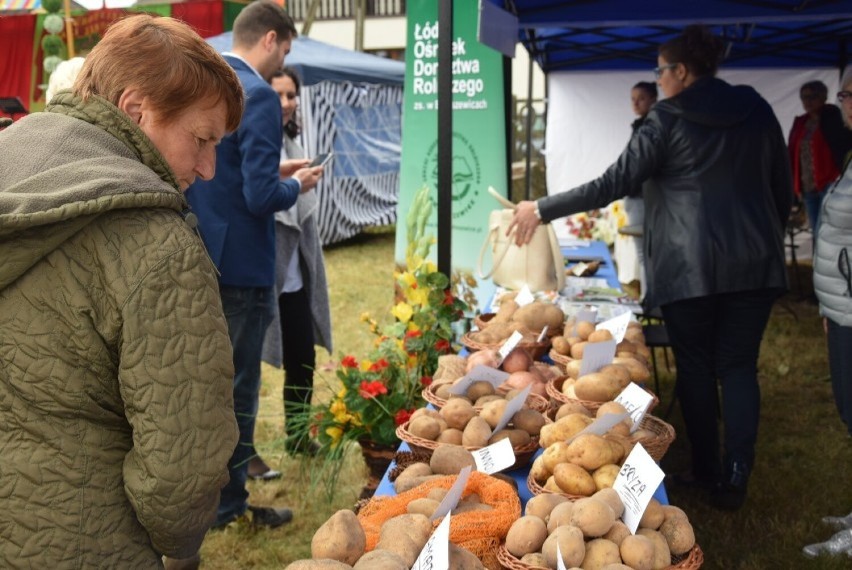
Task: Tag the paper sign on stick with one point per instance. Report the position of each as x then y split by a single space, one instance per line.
601 425
479 372
635 484
495 458
512 407
560 564
524 296
542 334
436 554
579 268
509 346
584 315
451 499
636 401
596 355
617 325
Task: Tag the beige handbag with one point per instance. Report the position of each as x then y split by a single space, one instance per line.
537 264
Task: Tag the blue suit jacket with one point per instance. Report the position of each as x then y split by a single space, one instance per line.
235 209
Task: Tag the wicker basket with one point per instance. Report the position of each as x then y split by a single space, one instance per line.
536 489
536 349
656 445
561 359
523 454
481 321
554 390
692 560
534 401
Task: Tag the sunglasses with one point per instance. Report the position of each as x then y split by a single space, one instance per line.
658 71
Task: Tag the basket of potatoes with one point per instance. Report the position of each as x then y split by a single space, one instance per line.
570 346
458 423
528 320
591 536
604 385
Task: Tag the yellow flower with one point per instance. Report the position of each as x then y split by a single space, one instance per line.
418 297
407 279
430 267
412 360
412 326
365 365
335 433
342 393
402 311
365 317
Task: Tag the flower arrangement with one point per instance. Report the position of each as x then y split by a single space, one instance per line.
599 224
380 391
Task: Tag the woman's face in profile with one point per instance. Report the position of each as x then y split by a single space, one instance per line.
188 143
641 101
668 80
286 89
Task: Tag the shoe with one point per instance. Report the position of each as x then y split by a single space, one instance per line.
840 543
688 480
730 493
260 471
191 563
838 523
270 517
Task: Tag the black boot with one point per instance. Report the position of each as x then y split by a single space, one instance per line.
730 493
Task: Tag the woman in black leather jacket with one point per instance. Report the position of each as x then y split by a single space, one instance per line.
717 196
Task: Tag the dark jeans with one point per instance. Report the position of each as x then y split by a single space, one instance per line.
248 311
840 363
297 338
813 205
718 337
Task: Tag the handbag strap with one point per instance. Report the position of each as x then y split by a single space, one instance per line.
498 259
558 264
500 198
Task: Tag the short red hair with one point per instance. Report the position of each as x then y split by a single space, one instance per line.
167 61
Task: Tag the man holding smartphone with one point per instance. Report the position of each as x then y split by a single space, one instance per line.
235 211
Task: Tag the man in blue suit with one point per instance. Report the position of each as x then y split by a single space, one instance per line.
235 211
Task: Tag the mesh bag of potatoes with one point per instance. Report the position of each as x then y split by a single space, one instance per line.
591 536
479 526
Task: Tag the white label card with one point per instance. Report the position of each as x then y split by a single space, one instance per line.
524 296
617 325
436 554
560 564
509 346
479 372
512 407
635 484
543 333
495 457
451 499
636 401
601 425
596 355
584 315
579 268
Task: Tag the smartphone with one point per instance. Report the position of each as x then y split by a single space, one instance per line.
321 159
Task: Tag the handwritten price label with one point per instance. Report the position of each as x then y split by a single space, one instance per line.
509 346
436 554
636 401
617 325
495 457
635 484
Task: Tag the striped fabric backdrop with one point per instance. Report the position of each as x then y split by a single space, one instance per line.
361 124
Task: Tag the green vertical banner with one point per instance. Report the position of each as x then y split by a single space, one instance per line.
479 135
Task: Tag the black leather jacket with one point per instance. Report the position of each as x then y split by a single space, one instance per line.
717 192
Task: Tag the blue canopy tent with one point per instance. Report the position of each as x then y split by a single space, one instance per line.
351 105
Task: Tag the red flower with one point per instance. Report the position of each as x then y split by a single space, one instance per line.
349 362
448 297
370 390
402 416
379 365
426 380
413 334
442 345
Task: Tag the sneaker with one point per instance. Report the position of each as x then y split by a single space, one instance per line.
838 523
260 471
840 543
730 493
270 517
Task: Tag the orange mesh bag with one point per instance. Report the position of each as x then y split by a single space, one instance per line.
478 531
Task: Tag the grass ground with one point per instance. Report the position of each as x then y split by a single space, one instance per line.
803 456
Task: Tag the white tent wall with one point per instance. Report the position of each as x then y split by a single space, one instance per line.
589 116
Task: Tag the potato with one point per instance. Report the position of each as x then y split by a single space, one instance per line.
451 436
403 485
482 400
528 420
671 511
611 498
450 459
599 335
526 535
573 479
443 391
554 455
599 553
604 476
478 389
577 350
457 412
563 429
418 469
463 559
592 451
550 485
381 560
679 535
537 314
561 345
476 433
519 360
583 329
653 516
617 533
592 516
617 373
541 505
518 437
340 538
487 357
639 372
571 547
425 427
405 535
637 552
572 408
437 494
560 515
534 559
662 554
493 411
401 544
320 564
422 506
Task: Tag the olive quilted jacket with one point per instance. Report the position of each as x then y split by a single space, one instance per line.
116 410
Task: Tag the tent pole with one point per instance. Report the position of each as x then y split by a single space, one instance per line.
528 158
69 29
445 136
360 16
310 17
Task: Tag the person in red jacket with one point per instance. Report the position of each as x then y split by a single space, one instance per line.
817 145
